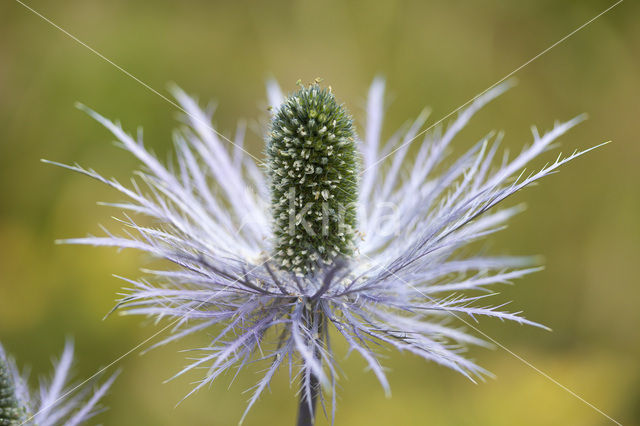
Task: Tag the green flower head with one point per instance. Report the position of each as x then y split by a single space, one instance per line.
12 412
313 171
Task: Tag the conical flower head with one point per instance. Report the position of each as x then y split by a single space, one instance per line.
11 410
411 276
312 166
57 403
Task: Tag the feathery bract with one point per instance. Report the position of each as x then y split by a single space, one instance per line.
403 284
58 402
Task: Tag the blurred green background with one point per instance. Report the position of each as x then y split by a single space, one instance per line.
585 220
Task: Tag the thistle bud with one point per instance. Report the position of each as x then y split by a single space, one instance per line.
312 166
11 411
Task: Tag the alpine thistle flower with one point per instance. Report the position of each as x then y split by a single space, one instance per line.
57 404
312 168
12 410
275 260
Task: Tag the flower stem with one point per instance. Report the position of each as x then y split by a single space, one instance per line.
306 411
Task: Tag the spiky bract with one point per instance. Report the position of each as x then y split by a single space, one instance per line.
57 403
409 281
312 168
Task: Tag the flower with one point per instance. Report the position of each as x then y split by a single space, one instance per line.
58 403
312 170
280 295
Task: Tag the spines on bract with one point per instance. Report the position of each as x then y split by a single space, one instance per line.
313 171
12 413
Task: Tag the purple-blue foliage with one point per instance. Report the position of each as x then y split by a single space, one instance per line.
406 285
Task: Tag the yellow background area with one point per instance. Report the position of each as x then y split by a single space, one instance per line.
584 220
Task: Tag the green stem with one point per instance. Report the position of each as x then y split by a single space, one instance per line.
306 408
306 414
